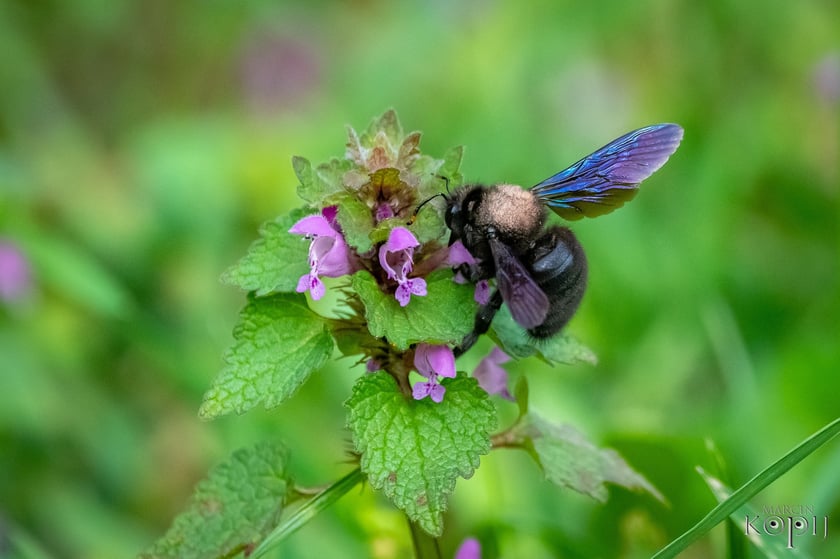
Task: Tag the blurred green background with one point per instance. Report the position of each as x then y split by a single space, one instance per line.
142 144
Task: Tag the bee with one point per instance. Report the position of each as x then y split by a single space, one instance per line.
540 270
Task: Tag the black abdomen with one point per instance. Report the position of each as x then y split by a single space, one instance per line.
559 268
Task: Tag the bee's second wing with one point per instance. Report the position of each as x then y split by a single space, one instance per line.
603 181
528 303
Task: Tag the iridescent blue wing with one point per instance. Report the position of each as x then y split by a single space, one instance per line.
601 182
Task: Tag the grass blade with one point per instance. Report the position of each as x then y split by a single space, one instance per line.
308 511
747 491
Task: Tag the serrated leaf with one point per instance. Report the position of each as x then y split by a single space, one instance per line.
561 348
451 165
320 183
232 510
414 451
429 225
409 150
278 342
355 219
445 315
387 124
428 172
275 261
570 460
303 171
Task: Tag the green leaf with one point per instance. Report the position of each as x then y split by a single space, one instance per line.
561 348
429 225
232 510
278 342
355 219
750 489
450 168
570 460
387 124
319 184
445 315
415 450
275 261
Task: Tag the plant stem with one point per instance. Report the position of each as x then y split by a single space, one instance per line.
425 546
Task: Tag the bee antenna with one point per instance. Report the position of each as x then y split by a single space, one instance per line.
423 203
445 180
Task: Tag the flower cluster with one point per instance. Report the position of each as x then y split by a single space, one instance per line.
368 223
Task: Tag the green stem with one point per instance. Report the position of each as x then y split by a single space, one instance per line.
309 510
425 546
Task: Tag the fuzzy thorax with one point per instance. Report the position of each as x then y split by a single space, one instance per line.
512 210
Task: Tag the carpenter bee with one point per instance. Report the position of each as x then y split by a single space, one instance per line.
541 271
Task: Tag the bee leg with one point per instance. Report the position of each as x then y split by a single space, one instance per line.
483 319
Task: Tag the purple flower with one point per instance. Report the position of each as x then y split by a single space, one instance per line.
383 211
491 376
396 258
432 361
328 252
482 292
459 256
15 274
470 549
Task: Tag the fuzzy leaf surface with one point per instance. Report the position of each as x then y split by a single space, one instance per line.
355 219
445 315
232 510
570 460
278 342
561 348
320 183
275 261
414 451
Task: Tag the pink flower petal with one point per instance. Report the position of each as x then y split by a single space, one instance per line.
434 360
383 211
431 388
470 549
436 392
330 213
393 261
498 356
491 376
316 287
401 239
336 262
313 225
458 254
482 292
303 284
15 272
403 294
417 286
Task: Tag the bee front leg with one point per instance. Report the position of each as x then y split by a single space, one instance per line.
483 320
